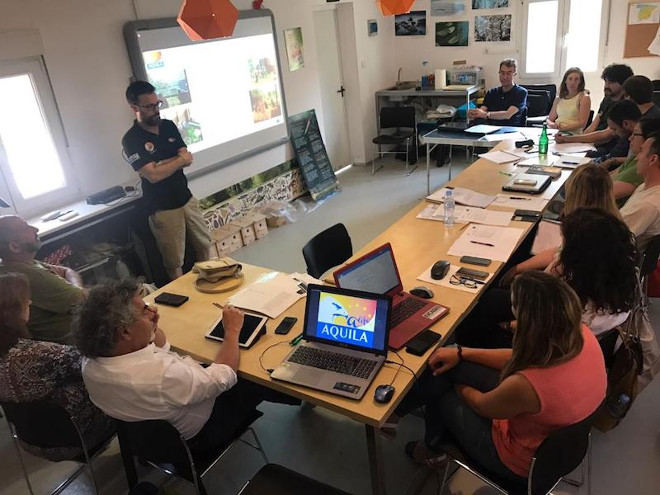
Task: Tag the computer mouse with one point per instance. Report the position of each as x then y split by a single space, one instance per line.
440 269
383 393
421 291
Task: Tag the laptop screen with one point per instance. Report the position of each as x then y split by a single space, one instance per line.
347 318
374 272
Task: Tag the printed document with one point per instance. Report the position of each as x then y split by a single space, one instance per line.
485 241
519 202
500 157
467 214
462 196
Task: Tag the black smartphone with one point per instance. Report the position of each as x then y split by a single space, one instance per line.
469 272
526 213
473 260
421 343
286 325
169 299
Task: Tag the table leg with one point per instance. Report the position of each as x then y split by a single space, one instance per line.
428 167
450 161
376 461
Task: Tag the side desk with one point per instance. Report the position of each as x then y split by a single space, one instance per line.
417 244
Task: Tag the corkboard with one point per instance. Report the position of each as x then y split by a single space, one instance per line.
639 36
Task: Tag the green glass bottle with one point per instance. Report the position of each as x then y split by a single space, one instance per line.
543 141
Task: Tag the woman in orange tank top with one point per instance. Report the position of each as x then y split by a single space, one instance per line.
500 404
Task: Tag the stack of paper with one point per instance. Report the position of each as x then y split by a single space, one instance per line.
500 157
484 241
466 214
571 147
462 196
272 293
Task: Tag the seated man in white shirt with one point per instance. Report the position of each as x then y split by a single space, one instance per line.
131 374
642 210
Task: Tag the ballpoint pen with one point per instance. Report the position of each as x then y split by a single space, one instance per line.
505 173
521 199
483 243
218 305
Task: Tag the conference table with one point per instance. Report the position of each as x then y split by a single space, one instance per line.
438 137
417 244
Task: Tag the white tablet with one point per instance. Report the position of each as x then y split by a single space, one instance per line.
253 327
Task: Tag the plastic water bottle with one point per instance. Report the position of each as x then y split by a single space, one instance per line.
449 204
618 407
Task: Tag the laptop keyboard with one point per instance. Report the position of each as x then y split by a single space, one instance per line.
333 361
405 309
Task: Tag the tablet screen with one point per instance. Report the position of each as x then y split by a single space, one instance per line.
249 326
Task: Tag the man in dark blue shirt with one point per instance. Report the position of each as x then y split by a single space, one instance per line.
156 151
504 105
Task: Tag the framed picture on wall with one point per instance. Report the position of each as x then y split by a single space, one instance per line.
411 24
372 27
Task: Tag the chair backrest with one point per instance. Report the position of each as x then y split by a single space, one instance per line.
158 442
327 249
397 117
559 454
650 257
607 341
42 424
550 88
538 103
590 119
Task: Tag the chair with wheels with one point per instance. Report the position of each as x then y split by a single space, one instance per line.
559 454
402 119
44 424
273 479
327 249
540 98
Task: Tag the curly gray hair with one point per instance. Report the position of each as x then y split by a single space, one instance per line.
106 311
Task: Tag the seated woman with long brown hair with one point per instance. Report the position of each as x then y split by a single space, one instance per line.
500 404
33 370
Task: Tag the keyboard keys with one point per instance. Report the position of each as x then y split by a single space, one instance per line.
333 361
405 309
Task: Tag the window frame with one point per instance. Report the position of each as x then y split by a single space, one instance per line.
35 68
561 50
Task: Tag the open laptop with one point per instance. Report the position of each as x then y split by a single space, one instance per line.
377 272
346 341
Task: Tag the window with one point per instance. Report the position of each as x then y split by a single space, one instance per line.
559 34
33 158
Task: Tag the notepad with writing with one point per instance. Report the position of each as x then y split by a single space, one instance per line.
485 241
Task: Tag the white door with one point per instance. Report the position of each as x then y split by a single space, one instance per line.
332 88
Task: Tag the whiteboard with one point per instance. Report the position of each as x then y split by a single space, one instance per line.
225 95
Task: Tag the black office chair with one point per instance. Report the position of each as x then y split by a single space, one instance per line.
649 260
559 454
540 98
402 119
273 479
589 120
44 424
327 249
160 445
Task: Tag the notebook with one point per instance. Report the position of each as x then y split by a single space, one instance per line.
377 272
345 333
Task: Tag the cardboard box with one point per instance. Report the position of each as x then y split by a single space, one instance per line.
246 227
226 240
259 223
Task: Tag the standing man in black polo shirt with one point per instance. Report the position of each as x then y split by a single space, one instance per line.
504 105
156 151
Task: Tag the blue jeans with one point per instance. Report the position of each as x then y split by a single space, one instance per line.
447 416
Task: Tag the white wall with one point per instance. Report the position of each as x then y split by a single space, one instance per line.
410 51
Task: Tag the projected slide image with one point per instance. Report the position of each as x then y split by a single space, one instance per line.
262 70
191 130
265 104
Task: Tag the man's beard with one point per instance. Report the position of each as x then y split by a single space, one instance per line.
153 121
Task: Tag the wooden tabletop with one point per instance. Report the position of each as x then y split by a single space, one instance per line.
417 244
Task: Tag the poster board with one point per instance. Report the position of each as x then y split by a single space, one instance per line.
312 156
643 29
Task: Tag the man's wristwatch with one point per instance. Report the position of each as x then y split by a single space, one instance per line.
488 115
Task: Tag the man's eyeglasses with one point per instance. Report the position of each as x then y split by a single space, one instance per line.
152 106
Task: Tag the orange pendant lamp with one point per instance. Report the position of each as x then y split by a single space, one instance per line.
394 7
207 19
